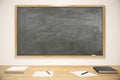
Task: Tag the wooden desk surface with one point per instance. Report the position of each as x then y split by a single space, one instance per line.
60 73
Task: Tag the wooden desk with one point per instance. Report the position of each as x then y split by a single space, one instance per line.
60 73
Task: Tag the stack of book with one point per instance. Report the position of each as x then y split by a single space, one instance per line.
105 69
16 70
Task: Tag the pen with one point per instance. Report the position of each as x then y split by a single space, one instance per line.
84 73
48 72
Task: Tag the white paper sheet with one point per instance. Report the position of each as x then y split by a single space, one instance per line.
43 74
79 73
22 68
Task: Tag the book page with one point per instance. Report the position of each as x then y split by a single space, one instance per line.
43 74
22 68
79 73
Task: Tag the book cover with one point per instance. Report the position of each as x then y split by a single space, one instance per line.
105 69
15 70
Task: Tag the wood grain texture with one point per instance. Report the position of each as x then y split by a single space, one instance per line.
60 73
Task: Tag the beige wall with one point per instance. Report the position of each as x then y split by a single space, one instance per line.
7 32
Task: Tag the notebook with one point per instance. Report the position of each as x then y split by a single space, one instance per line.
105 69
43 74
80 73
16 69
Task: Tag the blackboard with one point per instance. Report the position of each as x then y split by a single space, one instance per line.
60 30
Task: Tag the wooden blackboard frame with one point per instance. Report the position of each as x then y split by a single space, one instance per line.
62 56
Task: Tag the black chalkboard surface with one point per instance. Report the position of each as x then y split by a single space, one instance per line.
59 30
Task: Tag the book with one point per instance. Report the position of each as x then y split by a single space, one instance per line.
16 70
105 69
